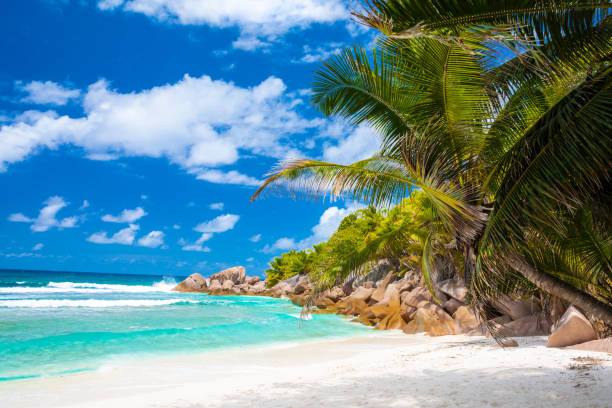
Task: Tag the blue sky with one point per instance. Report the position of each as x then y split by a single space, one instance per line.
133 132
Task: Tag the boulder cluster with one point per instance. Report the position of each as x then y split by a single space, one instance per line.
232 281
387 302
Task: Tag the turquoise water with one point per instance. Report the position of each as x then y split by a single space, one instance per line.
58 322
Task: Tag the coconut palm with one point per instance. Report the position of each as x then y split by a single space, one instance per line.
502 115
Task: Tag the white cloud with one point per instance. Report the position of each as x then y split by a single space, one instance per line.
152 240
198 244
125 236
320 53
126 216
46 92
183 122
47 216
361 144
217 206
261 19
38 247
176 226
230 177
144 197
255 238
221 223
84 205
251 259
328 224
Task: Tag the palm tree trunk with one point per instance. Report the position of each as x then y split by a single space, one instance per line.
561 289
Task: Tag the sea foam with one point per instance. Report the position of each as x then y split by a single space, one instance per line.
165 285
95 303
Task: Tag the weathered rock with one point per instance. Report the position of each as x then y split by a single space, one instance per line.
603 345
334 294
194 283
407 312
361 293
228 284
323 302
465 320
516 308
368 285
451 305
534 325
378 272
257 287
285 287
454 289
237 275
251 280
381 287
394 321
302 285
215 285
351 306
415 296
236 290
573 328
431 319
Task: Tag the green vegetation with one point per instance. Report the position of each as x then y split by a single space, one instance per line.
501 114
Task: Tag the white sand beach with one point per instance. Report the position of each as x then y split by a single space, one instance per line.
383 369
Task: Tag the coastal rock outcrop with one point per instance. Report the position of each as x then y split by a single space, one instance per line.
236 274
454 289
602 346
573 328
194 283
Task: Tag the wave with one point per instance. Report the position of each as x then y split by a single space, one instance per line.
165 285
91 303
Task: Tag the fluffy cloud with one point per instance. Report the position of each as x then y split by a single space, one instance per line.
263 19
38 247
255 238
47 216
46 92
84 205
221 223
126 216
320 53
184 122
152 240
328 224
125 236
216 206
197 246
362 143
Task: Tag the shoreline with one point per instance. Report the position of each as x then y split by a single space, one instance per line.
380 368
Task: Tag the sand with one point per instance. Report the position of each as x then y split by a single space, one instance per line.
383 369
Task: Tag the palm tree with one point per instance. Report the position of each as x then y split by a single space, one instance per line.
502 115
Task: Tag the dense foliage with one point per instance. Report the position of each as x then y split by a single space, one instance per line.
501 114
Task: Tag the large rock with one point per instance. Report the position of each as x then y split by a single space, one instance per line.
516 308
432 319
362 294
302 285
603 346
351 306
251 280
193 283
237 275
285 287
381 287
334 294
451 305
534 325
454 289
393 321
465 320
215 285
228 284
258 287
573 328
415 296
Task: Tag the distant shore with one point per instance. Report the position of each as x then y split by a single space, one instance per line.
381 369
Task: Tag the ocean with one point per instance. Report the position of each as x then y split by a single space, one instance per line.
54 323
